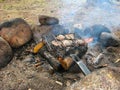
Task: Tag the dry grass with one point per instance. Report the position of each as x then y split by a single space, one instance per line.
28 10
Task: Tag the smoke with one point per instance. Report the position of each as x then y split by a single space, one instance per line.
90 12
86 13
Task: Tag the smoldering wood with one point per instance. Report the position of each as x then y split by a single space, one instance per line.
52 61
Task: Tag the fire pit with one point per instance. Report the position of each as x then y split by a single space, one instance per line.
61 50
75 51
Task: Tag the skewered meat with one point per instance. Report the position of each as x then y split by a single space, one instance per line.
69 36
60 37
66 43
56 43
79 42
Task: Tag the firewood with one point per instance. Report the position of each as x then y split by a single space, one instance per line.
52 61
66 62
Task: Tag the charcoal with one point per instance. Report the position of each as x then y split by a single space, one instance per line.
47 20
108 39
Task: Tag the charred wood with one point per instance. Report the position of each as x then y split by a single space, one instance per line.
52 61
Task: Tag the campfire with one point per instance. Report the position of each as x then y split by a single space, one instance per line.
62 47
73 52
80 50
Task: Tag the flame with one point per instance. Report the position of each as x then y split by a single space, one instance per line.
88 40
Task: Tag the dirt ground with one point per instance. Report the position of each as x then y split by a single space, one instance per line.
21 74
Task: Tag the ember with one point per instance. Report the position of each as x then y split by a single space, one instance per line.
88 40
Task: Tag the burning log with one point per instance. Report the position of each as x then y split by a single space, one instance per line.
52 61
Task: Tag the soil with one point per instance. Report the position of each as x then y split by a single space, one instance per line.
23 74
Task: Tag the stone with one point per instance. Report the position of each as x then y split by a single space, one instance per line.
5 53
40 30
95 31
108 39
104 79
47 20
16 32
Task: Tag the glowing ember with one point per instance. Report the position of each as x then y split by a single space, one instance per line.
88 40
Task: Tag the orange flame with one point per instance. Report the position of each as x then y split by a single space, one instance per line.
88 40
